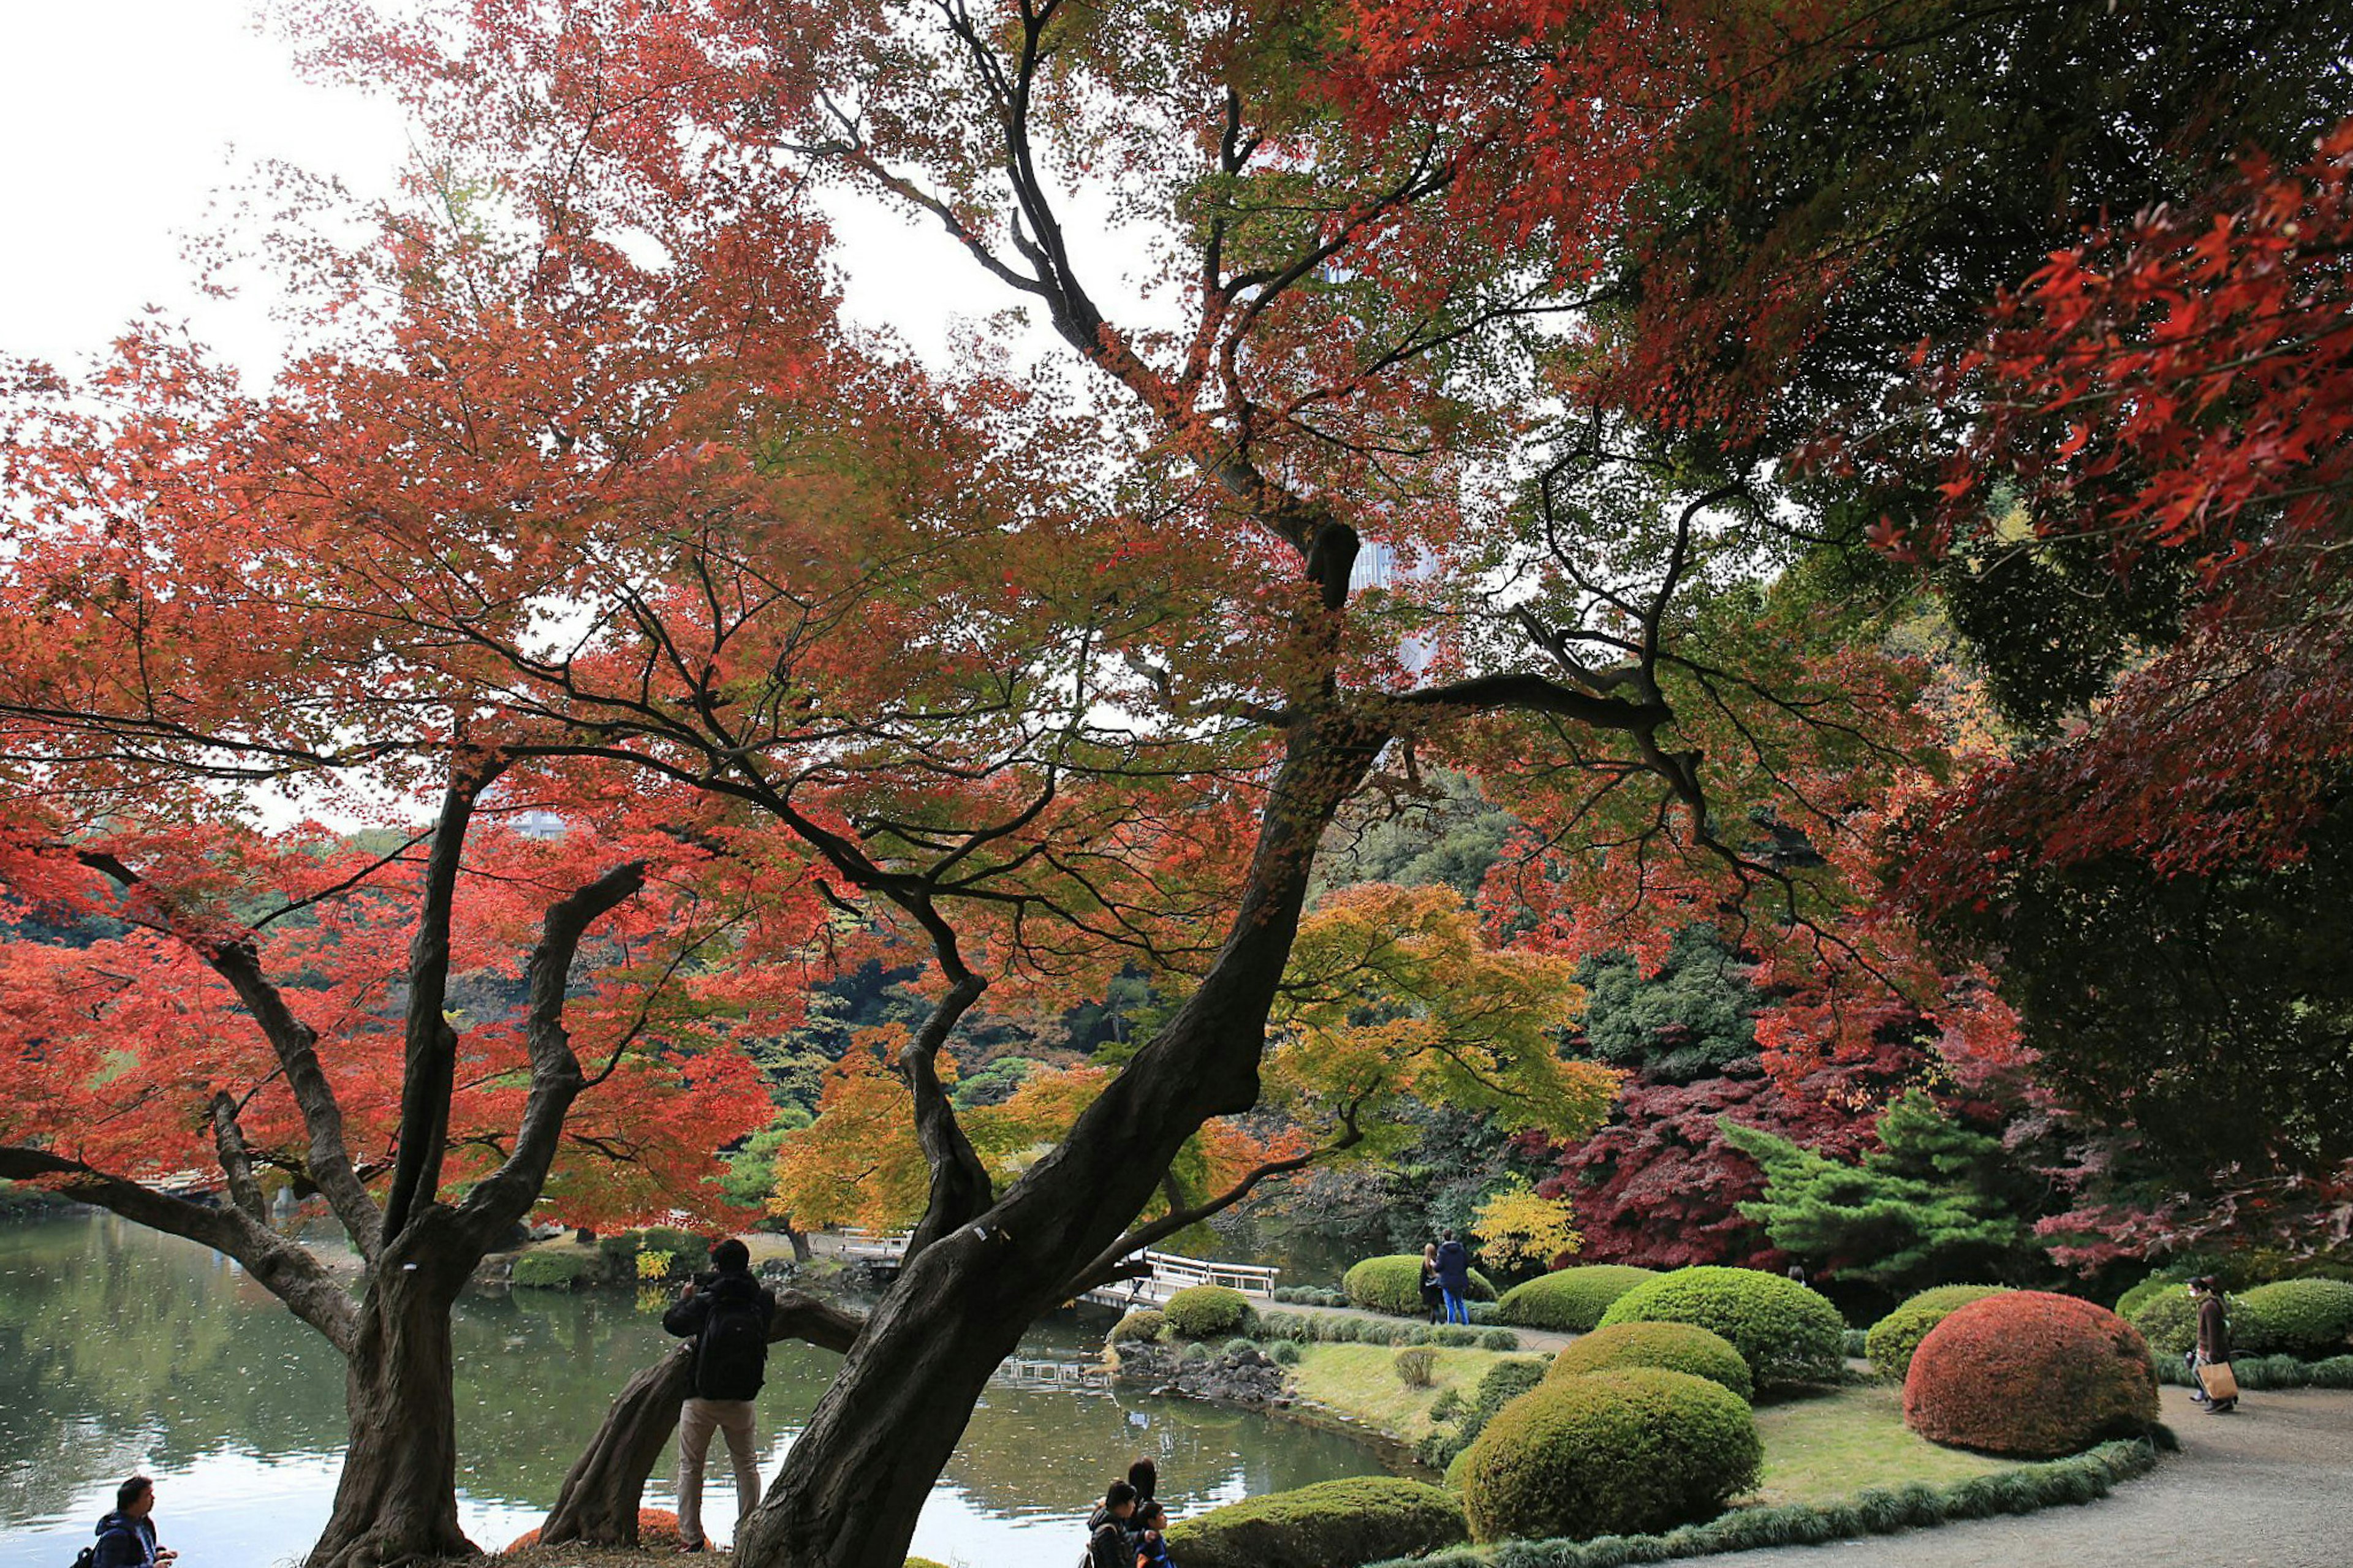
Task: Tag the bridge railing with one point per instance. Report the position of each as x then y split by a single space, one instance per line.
1250 1279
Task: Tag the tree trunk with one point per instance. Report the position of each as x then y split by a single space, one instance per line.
854 1480
599 1503
398 1499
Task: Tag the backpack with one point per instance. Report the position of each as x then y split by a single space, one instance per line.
731 1357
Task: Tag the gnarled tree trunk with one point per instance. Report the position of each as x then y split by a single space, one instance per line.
857 1477
397 1500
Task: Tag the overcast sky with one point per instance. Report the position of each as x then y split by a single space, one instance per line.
123 118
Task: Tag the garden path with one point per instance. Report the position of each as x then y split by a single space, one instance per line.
2269 1485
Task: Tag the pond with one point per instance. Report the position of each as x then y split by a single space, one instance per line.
124 1351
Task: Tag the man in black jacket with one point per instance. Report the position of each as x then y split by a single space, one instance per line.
126 1538
727 1314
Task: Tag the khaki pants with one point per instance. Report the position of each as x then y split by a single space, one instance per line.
696 1422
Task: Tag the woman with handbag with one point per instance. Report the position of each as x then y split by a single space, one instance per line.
2213 1386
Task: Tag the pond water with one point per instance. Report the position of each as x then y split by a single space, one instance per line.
124 1351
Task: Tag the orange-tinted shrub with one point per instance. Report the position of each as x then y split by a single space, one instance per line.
657 1532
2030 1375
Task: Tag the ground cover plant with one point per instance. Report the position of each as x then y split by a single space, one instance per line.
2088 1373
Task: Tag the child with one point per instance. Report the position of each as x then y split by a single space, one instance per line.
1152 1537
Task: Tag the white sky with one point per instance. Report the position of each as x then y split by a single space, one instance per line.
123 117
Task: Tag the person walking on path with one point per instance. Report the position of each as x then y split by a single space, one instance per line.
2213 1341
1454 1278
1434 1295
1111 1543
727 1314
126 1538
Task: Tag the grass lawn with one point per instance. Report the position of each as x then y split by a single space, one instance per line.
1360 1383
1823 1450
1817 1450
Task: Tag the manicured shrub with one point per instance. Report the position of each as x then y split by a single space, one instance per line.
1895 1337
1144 1323
1285 1353
1393 1285
1498 1387
924 1562
2129 1304
1240 1345
1454 1336
2168 1321
1786 1333
1414 1367
1498 1340
690 1253
1614 1453
1207 1313
1857 1344
549 1270
2309 1318
1333 1524
1570 1300
1196 1351
1678 1347
2030 1375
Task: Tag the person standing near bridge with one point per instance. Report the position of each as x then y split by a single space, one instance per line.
727 1313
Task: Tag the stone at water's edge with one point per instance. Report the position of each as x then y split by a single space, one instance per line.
1237 1377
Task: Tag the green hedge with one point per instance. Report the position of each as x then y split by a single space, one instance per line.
2140 1295
2168 1321
1142 1323
2085 1477
1570 1301
2260 1371
1207 1313
1608 1453
1895 1337
2308 1318
1678 1347
1393 1285
1332 1524
1786 1333
549 1270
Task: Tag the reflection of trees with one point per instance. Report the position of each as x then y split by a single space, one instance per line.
119 1346
1032 1452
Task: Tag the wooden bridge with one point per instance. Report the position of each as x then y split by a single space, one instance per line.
1157 1277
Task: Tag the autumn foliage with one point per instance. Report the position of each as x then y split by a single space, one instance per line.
2029 1375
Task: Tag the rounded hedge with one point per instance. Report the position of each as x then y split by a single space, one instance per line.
1678 1347
2168 1321
1786 1333
2030 1375
548 1270
1614 1453
1393 1285
1207 1313
2140 1295
1895 1337
657 1532
2311 1318
1570 1301
1332 1524
1142 1323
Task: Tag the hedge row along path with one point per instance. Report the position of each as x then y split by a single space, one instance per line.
2265 1486
1530 1338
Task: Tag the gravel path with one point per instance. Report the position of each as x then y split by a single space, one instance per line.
2269 1485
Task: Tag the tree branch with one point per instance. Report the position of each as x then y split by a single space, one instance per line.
506 1194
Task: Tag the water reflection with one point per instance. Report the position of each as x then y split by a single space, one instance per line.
122 1350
